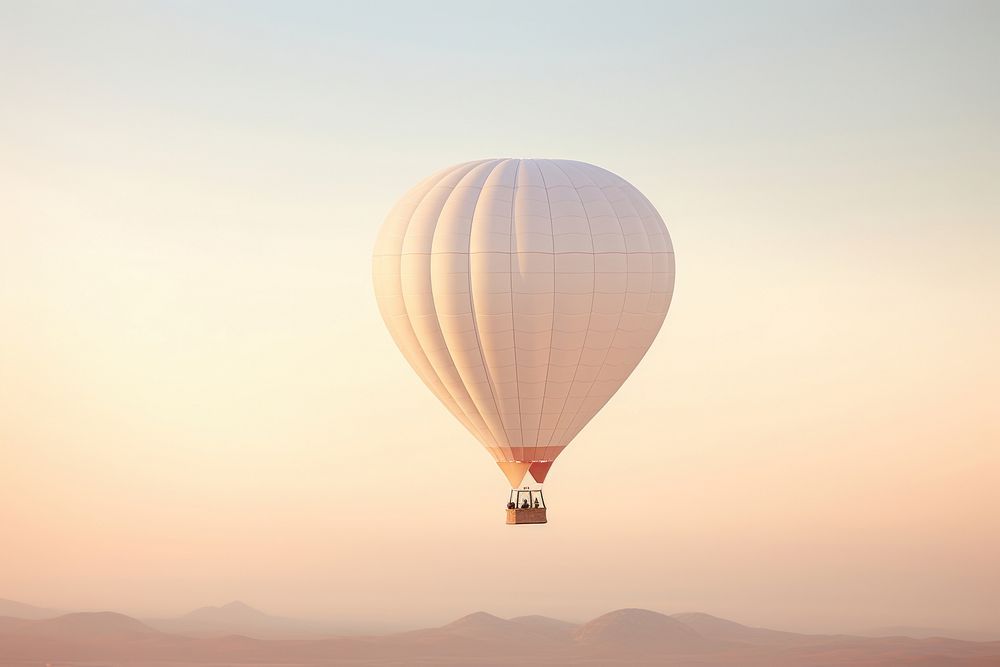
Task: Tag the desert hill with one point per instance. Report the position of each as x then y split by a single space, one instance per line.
641 631
239 618
918 632
14 609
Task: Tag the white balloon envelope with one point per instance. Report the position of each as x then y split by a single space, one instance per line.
524 292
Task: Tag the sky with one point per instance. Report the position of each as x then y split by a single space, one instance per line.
199 401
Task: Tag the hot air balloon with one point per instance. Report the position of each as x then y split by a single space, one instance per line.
524 292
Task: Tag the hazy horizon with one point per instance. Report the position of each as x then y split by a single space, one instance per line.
346 625
199 402
621 637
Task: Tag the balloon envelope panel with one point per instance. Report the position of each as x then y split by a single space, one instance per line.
524 292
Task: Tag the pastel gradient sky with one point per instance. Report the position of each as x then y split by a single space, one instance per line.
199 401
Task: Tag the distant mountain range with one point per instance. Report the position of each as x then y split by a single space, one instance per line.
21 610
920 632
622 637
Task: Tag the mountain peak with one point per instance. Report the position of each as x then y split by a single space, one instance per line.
478 619
232 611
640 630
635 617
487 627
702 617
